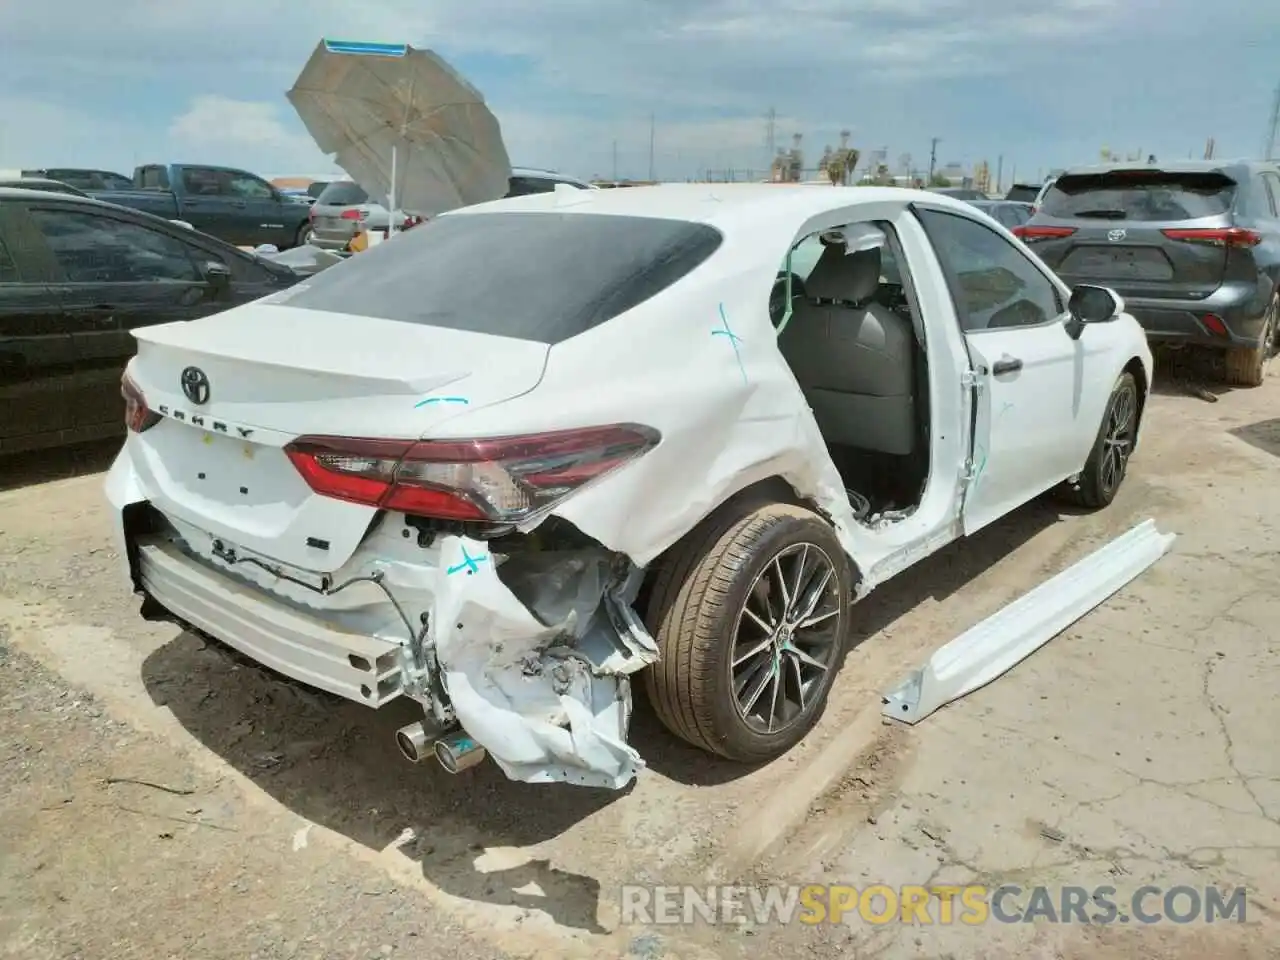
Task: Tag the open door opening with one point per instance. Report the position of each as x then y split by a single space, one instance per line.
850 328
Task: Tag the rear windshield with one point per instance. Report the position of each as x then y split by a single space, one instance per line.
342 193
537 276
1140 195
1022 192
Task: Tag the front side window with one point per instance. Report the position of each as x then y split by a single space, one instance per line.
92 248
540 276
250 188
992 282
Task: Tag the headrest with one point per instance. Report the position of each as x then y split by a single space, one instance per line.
851 277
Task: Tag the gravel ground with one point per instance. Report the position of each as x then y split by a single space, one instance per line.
1135 747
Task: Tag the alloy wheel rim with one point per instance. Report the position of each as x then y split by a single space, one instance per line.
1117 442
786 637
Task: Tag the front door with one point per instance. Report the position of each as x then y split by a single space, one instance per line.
266 219
114 276
1025 370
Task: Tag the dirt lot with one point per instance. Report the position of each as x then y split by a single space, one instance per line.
1136 748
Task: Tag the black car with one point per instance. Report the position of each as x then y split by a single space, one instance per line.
1193 248
43 184
76 275
1008 213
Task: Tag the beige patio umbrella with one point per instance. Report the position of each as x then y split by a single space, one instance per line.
403 124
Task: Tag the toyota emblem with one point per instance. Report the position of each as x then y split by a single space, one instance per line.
195 385
1115 236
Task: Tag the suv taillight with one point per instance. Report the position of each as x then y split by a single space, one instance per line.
1030 234
137 415
352 213
1216 236
495 479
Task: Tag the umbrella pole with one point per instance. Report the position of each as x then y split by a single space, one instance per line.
391 197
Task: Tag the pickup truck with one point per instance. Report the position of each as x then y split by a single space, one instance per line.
232 205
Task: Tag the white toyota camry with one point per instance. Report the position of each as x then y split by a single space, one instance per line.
532 447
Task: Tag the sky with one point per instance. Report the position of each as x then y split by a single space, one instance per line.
1027 85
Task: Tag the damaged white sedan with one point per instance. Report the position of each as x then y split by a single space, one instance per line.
536 446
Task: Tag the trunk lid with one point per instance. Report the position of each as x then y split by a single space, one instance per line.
272 373
1118 221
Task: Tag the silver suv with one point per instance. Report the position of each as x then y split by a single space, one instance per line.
344 209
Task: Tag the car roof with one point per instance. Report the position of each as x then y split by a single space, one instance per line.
716 204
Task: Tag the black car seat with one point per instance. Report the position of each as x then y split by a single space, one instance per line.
853 358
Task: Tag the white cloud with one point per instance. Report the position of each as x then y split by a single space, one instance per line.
214 123
1048 79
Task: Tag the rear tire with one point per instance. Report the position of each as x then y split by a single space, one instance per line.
303 237
1108 462
1247 366
745 680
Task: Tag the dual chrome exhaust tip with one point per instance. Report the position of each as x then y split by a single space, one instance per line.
454 751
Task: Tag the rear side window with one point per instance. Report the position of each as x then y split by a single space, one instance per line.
539 276
342 193
1143 195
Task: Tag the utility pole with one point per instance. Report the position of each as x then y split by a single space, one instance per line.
933 158
652 130
1273 129
1000 173
615 161
771 137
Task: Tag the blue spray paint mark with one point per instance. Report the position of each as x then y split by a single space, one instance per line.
726 331
982 462
431 400
469 563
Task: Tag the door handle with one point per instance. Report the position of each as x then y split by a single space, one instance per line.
1006 364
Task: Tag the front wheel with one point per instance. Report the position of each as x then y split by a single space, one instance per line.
750 615
1108 462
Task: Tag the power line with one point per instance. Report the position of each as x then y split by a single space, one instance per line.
652 130
771 134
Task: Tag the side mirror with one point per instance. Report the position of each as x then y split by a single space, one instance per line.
218 276
1089 304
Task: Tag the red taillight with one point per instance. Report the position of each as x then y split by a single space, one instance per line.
1217 237
1029 234
137 415
1215 325
352 214
498 479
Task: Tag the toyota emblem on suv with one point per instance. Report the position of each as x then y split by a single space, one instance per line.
195 384
1115 236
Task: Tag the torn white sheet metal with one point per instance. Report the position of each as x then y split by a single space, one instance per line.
1003 640
539 680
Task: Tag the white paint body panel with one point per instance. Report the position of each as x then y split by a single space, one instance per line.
727 420
1005 639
